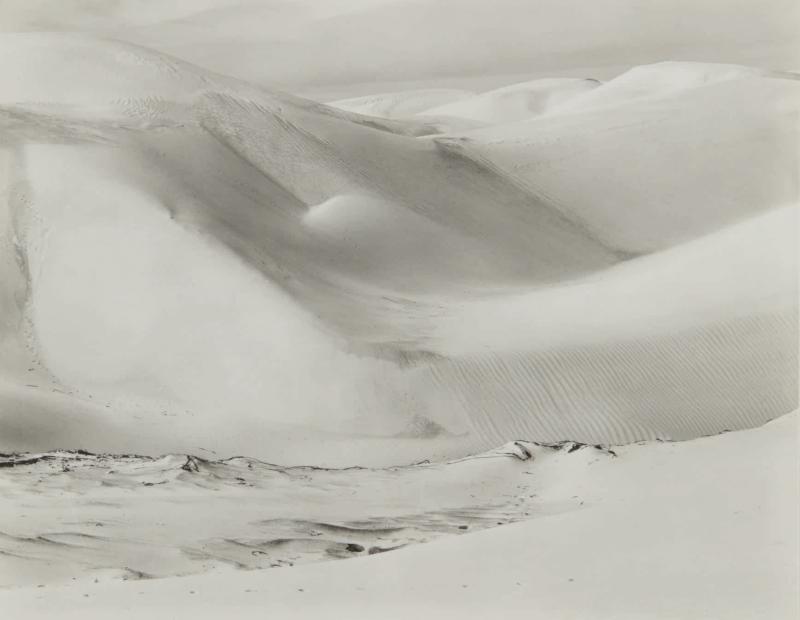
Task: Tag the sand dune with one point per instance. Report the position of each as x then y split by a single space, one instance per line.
516 102
402 104
291 281
605 165
351 278
502 105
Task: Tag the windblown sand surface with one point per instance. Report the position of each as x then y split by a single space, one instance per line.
180 244
73 516
501 236
655 532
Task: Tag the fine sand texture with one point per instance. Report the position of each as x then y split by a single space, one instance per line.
497 301
379 281
653 532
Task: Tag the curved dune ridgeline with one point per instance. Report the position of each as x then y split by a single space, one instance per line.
557 259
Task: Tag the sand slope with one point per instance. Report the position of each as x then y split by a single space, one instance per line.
402 104
516 102
648 538
508 228
319 274
91 517
627 163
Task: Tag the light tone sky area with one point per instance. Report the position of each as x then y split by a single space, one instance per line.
307 44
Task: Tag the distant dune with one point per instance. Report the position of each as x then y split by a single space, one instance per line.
334 45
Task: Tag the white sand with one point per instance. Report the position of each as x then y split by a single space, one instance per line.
698 529
516 102
353 281
80 517
511 223
402 104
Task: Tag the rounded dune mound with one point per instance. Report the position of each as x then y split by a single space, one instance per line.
643 173
637 352
483 297
401 104
74 74
77 70
661 80
516 102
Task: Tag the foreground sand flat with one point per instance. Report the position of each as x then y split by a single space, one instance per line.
700 529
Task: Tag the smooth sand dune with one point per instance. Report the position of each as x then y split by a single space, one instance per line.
663 79
402 104
516 102
508 228
317 157
672 530
683 343
93 78
351 280
629 171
